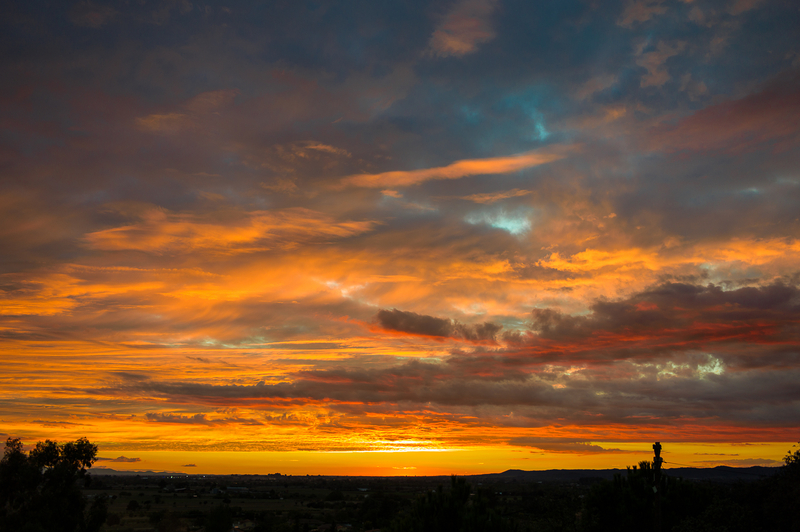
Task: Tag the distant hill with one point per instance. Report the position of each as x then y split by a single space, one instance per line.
718 474
97 471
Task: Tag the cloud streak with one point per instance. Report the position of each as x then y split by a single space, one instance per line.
159 231
416 324
456 170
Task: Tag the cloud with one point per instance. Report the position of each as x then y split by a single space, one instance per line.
674 358
189 465
456 170
741 462
561 445
163 13
419 324
193 116
331 218
170 123
595 85
89 15
160 231
465 26
160 417
129 376
124 459
515 223
54 423
741 6
768 116
682 316
486 392
196 419
640 11
654 62
493 197
695 89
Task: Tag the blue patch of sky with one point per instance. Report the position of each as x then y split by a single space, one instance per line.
513 222
494 121
471 114
528 101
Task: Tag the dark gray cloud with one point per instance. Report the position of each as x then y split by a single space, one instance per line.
420 324
197 419
562 445
645 395
677 317
677 306
124 459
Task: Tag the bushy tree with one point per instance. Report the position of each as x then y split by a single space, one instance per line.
39 490
792 459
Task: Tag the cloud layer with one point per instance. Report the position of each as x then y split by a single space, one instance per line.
564 229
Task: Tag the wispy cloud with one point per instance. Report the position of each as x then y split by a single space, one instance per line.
741 6
768 116
595 85
159 231
197 419
466 26
121 459
563 445
456 170
638 11
492 197
654 61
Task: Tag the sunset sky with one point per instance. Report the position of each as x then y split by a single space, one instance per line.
401 238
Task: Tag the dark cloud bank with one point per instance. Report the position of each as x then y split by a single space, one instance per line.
671 353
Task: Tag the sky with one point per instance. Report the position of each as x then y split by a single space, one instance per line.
401 238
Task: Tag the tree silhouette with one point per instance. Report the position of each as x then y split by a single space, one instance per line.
792 459
39 491
452 511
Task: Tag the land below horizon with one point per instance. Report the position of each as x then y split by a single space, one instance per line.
518 500
717 473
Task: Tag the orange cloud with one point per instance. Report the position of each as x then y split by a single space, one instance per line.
456 170
493 197
159 231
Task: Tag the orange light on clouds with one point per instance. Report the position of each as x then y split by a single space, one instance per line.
403 251
456 170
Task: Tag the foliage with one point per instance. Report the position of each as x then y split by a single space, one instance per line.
219 519
628 502
546 507
792 459
38 490
378 510
762 505
452 511
335 495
